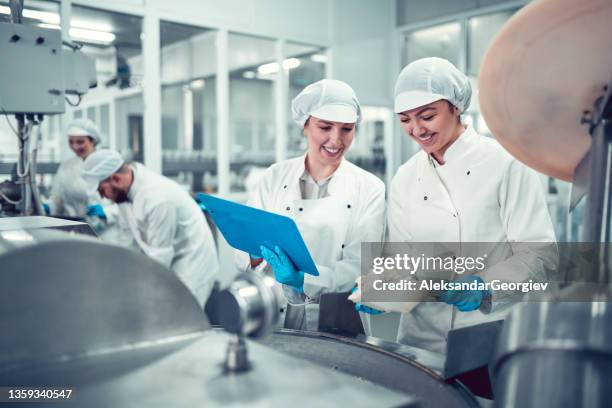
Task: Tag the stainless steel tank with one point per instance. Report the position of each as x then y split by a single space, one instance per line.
555 354
124 331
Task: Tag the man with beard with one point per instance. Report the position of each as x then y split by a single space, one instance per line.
164 222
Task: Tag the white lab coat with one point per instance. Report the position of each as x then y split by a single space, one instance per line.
333 227
166 224
480 194
69 195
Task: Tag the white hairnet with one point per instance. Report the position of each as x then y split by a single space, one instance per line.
428 80
327 99
84 127
99 166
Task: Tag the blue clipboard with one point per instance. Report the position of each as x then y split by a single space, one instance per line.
247 228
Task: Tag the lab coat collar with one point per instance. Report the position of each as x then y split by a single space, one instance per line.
137 183
335 176
458 148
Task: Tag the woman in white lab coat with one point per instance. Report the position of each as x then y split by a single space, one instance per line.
69 196
462 187
335 204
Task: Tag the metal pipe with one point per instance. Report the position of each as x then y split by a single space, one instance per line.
16 11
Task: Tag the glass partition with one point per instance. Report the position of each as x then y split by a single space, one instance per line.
189 133
438 41
252 72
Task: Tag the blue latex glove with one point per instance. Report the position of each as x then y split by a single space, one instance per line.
466 300
46 208
201 205
365 309
283 268
96 210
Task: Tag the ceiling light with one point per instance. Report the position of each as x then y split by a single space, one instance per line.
267 69
197 84
291 63
44 16
91 25
248 74
321 58
436 32
99 34
272 67
91 35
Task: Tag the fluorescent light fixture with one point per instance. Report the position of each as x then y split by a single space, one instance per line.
320 58
79 30
267 69
91 35
44 16
272 67
437 32
291 63
197 84
91 25
248 74
51 26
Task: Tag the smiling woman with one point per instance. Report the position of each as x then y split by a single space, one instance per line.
461 187
327 142
335 204
434 127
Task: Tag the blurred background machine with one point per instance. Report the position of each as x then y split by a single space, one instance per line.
545 93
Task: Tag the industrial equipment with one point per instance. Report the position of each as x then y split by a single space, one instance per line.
545 92
37 73
122 330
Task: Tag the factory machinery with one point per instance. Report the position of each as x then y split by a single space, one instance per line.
120 330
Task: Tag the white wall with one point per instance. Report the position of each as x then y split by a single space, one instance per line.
362 48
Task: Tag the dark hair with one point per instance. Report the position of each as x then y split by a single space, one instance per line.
451 108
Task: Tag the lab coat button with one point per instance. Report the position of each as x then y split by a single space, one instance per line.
342 246
348 206
288 208
425 198
285 186
468 172
301 209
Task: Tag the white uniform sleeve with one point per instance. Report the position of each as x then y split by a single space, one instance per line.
161 223
369 227
529 230
56 204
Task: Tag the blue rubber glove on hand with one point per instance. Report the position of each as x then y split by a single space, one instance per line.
366 309
466 300
96 210
46 208
283 268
